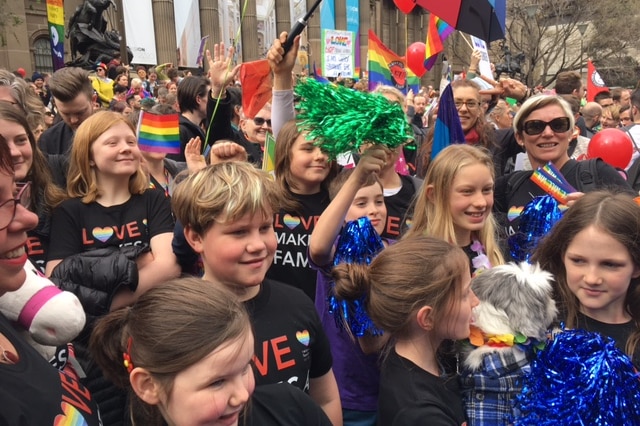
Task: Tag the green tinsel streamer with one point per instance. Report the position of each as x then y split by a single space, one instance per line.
341 120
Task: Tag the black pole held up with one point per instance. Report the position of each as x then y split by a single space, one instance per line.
299 26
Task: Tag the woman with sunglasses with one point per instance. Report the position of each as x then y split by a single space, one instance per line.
543 127
32 391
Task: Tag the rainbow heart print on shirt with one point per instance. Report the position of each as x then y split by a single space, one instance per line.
102 234
70 416
291 221
303 337
514 213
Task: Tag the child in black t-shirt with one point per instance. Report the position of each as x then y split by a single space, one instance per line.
419 292
183 352
227 213
110 205
594 254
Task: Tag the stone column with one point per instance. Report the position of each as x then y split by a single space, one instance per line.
283 18
165 29
313 36
341 14
249 33
210 21
367 16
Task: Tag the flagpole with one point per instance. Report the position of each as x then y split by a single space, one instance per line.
466 41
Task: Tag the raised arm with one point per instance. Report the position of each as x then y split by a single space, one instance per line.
282 66
220 74
330 223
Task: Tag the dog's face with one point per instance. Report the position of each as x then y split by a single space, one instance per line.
514 297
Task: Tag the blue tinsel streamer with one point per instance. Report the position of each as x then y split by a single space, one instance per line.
581 378
358 243
536 220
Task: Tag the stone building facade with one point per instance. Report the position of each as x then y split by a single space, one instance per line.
27 39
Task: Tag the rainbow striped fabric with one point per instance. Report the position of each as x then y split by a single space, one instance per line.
436 35
387 68
159 133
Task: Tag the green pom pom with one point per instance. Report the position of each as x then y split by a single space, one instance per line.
341 120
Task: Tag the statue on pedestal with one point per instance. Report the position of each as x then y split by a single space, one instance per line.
89 39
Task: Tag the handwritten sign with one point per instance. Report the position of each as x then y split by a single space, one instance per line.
338 58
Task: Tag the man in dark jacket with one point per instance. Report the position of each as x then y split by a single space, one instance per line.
74 98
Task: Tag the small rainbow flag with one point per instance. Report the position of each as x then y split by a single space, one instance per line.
159 133
436 35
269 155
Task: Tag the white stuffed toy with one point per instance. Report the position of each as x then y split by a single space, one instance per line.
51 316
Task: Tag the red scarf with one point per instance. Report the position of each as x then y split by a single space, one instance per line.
472 137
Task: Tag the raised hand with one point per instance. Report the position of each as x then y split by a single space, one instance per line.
220 72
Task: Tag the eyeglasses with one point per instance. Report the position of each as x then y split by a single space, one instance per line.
535 127
8 208
260 121
468 104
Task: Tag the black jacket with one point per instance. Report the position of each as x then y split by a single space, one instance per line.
95 277
57 139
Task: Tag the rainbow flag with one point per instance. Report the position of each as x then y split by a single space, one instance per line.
386 67
413 81
269 155
436 35
159 133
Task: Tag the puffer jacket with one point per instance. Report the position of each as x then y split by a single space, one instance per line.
95 277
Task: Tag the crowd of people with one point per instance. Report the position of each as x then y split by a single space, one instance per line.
208 283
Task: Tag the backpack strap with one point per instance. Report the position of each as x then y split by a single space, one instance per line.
633 174
587 175
633 141
516 179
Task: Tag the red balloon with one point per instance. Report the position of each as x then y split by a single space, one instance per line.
405 6
613 146
415 58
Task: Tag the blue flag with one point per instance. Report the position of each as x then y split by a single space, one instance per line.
448 129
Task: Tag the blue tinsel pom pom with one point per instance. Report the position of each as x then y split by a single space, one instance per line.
536 220
581 378
358 243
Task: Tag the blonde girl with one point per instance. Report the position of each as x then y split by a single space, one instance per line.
455 204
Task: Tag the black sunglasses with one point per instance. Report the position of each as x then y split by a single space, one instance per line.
260 121
558 125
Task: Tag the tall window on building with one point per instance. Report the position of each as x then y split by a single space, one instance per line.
42 55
